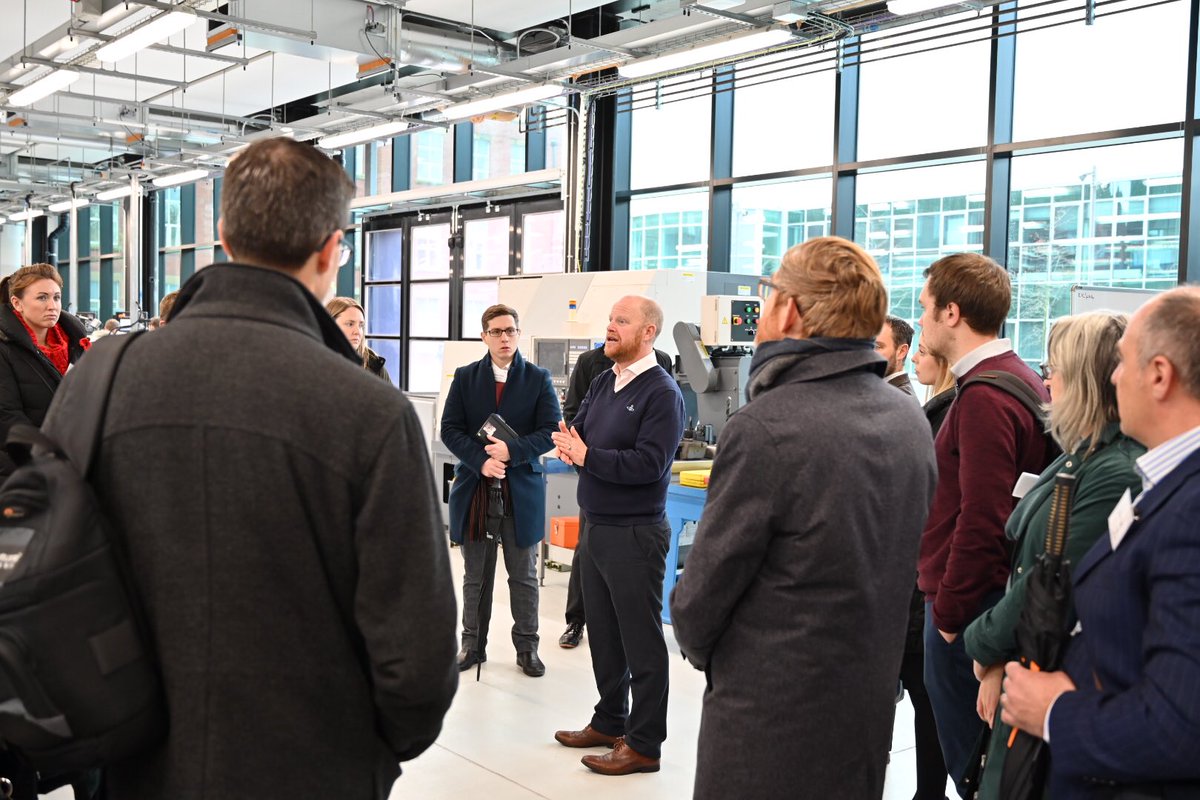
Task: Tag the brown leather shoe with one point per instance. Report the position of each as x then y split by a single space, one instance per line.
588 737
623 760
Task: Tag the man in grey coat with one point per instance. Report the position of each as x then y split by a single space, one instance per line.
795 596
280 517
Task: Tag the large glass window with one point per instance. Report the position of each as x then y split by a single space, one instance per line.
1105 216
172 216
669 231
542 242
485 246
907 219
206 230
782 120
433 157
387 256
430 253
1127 69
914 99
671 143
769 218
499 149
477 296
556 146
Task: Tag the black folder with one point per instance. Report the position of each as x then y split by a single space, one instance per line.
495 425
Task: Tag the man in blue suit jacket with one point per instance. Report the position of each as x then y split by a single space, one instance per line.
1123 718
503 383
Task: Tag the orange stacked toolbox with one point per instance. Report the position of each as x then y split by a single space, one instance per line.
564 532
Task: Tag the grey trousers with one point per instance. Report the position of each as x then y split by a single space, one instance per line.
520 563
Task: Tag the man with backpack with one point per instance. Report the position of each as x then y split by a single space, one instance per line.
992 434
279 517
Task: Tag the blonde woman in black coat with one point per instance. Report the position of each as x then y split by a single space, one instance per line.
348 314
38 344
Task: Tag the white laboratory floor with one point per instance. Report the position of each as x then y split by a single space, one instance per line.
498 739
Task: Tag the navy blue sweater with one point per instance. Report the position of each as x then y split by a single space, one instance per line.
631 436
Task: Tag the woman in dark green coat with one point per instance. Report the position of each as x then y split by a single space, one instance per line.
1082 354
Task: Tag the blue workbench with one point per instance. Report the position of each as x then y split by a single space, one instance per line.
684 505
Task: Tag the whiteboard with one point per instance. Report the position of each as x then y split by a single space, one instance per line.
1108 298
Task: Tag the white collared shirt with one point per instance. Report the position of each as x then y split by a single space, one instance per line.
996 347
626 376
1155 465
500 373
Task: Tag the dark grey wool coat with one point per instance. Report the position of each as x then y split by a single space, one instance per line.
795 595
283 530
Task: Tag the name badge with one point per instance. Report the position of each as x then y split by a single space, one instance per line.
1119 520
1024 484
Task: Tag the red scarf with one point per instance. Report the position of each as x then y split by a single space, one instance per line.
55 347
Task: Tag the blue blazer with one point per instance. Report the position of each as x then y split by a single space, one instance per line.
1135 717
530 406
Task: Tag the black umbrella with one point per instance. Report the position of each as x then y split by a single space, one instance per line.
493 520
1042 635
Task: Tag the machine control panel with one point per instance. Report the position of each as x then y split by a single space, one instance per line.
727 320
559 356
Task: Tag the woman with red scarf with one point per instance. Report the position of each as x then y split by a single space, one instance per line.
38 343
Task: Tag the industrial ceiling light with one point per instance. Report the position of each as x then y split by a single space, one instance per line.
521 97
22 216
903 8
43 87
67 205
705 53
177 178
114 194
339 140
153 32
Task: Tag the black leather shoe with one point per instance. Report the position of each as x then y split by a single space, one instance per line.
469 658
530 664
572 636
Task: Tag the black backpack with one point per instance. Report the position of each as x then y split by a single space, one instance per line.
1011 384
79 686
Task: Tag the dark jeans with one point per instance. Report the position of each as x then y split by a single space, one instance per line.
575 612
931 766
622 572
519 562
953 690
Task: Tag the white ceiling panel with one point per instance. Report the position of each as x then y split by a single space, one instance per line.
268 81
26 18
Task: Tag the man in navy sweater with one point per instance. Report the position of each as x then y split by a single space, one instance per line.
988 439
623 441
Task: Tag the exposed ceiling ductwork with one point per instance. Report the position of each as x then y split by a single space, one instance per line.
240 70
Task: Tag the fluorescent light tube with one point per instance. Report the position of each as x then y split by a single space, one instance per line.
114 194
904 7
521 97
67 205
153 32
703 54
21 216
43 87
339 140
176 178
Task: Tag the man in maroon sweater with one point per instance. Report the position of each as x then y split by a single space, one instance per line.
988 439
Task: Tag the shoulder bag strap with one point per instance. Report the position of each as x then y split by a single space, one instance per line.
76 416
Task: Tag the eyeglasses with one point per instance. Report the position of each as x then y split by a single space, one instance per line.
344 250
767 287
1048 371
496 333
